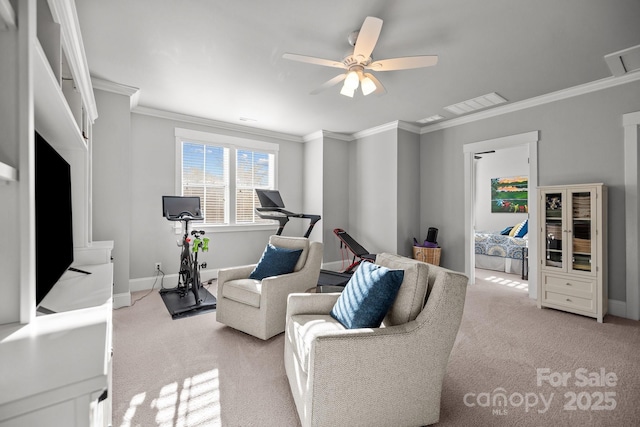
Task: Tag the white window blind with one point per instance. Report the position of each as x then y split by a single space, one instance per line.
254 170
224 172
205 173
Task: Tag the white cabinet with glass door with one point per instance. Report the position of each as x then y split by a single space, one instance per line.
573 242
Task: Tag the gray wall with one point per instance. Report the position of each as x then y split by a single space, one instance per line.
335 195
408 189
112 174
581 141
313 184
373 195
153 238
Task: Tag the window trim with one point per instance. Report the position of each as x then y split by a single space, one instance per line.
233 143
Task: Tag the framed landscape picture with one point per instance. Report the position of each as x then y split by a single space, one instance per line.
510 194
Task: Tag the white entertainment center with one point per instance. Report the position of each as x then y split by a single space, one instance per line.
55 364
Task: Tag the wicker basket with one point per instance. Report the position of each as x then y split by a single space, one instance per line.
428 255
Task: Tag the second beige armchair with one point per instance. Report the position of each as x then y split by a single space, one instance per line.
258 307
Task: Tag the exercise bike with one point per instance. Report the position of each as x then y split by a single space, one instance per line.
192 243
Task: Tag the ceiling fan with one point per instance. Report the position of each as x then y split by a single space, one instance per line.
363 42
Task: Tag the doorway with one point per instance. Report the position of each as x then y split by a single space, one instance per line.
530 141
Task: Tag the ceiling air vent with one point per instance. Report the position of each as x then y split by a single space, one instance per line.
624 61
484 101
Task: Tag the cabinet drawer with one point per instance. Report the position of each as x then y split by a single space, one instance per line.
569 286
570 301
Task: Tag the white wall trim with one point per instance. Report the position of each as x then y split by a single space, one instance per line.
617 308
170 280
122 300
529 139
147 111
225 140
631 122
320 134
117 88
595 86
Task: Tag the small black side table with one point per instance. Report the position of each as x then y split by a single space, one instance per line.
525 263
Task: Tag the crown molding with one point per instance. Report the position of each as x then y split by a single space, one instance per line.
321 134
108 86
153 112
583 89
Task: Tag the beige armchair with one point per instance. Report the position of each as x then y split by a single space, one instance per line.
387 376
259 307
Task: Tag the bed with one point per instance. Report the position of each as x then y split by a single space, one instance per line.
495 251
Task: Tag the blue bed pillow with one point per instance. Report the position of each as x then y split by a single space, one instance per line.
275 261
506 230
367 297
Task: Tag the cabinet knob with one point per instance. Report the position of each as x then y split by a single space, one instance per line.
568 284
568 300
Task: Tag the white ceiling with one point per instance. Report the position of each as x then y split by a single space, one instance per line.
222 59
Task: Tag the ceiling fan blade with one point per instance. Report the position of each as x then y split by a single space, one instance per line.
405 63
334 81
313 60
367 38
380 90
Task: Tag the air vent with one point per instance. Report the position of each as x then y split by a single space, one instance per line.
624 61
484 101
430 119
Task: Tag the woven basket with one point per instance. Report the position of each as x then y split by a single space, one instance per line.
428 255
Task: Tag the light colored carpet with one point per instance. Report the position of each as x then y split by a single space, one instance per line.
196 372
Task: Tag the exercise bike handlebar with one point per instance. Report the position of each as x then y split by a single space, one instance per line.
183 216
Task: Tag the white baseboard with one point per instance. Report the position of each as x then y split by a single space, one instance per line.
617 308
122 300
169 280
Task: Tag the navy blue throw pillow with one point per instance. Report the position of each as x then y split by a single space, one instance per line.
506 231
367 297
275 261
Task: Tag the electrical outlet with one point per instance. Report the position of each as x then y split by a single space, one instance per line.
158 266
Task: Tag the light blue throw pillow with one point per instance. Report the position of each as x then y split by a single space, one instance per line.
367 297
275 261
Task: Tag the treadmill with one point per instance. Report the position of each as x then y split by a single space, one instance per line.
273 208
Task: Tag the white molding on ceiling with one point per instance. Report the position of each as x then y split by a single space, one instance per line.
153 112
64 13
398 124
108 86
7 15
321 134
583 89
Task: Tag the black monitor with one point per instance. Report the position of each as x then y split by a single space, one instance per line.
176 206
270 198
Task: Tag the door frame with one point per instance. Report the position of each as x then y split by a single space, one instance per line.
529 139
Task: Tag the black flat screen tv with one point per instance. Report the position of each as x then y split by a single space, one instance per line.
54 232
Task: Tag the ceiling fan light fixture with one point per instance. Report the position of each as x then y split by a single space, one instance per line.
347 91
352 80
368 86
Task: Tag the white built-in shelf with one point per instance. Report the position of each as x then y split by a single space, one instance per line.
7 15
8 173
53 117
58 357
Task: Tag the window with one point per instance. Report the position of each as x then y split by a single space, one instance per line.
224 172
